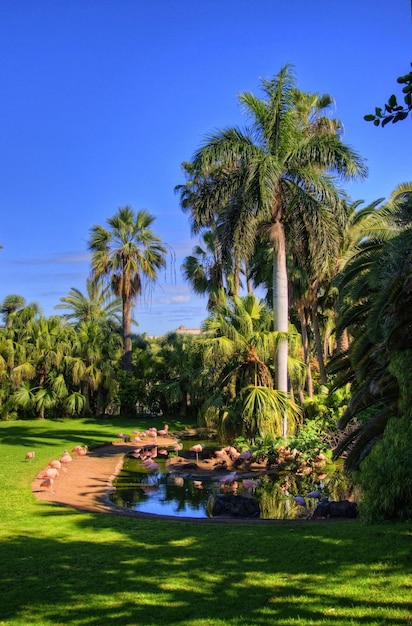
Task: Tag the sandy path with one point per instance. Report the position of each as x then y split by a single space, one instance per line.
86 483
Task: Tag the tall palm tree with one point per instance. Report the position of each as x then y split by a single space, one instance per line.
128 255
283 173
99 304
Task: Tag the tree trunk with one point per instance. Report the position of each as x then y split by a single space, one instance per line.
342 342
280 309
127 337
306 350
319 346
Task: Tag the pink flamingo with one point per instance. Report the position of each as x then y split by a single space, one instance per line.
177 448
123 437
65 459
55 463
47 483
197 449
220 453
50 472
30 455
164 431
80 451
152 432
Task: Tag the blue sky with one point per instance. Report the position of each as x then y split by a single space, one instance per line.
102 100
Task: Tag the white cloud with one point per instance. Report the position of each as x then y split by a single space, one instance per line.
174 300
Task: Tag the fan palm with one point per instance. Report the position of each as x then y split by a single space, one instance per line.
98 305
128 255
9 306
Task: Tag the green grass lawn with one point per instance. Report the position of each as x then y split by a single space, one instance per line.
59 566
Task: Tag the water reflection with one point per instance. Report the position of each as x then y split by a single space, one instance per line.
146 486
161 493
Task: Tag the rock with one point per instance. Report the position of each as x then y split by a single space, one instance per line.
342 508
235 506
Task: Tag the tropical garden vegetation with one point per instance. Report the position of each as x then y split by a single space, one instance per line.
321 363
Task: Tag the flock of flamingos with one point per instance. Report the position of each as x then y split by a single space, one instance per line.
148 451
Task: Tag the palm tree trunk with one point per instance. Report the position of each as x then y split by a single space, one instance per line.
127 337
319 346
343 342
280 309
306 351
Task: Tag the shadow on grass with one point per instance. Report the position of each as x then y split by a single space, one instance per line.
141 572
32 433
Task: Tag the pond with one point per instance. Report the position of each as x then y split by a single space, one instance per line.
200 495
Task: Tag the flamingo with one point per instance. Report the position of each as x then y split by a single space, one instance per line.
316 495
197 448
30 455
231 451
220 453
55 463
228 478
47 483
152 432
302 502
164 431
123 437
80 451
177 448
65 459
50 472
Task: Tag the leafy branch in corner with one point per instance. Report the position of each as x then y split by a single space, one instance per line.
392 111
